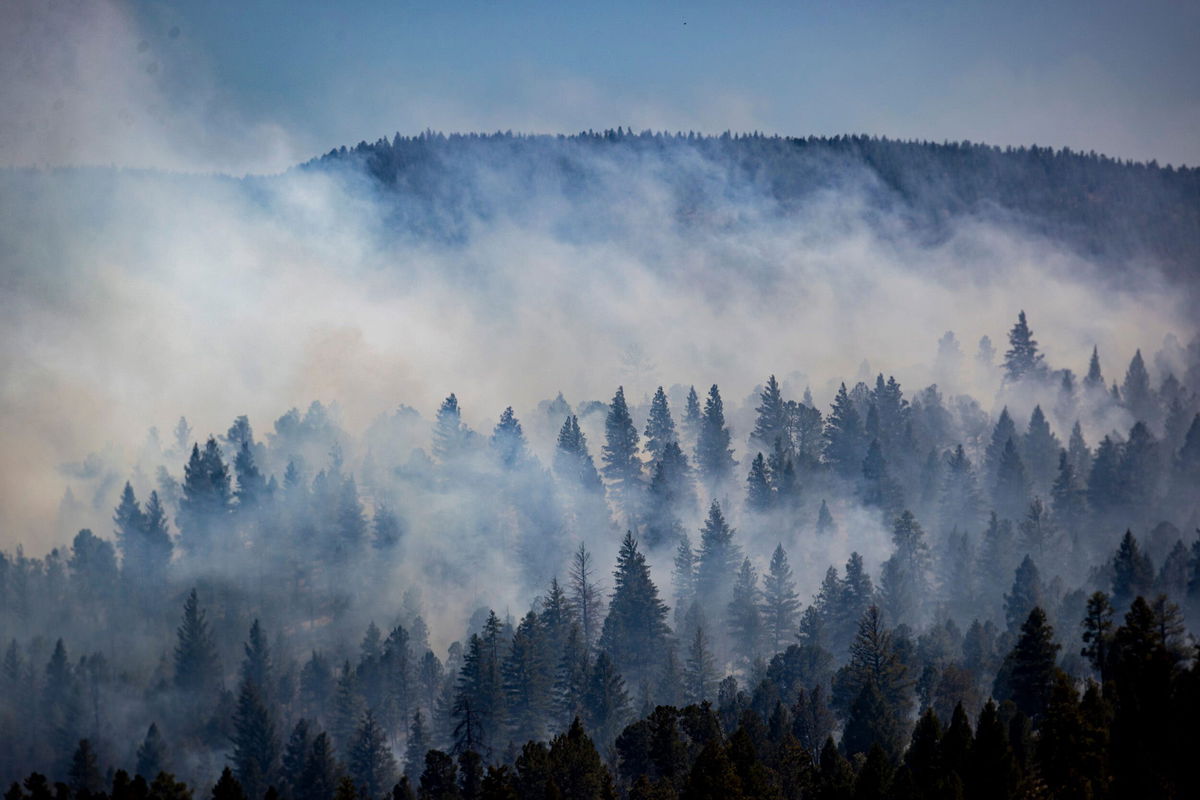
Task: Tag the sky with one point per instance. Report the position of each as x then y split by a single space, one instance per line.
260 85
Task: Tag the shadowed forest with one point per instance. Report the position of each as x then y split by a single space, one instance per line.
892 594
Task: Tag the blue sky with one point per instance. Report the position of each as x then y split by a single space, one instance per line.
254 85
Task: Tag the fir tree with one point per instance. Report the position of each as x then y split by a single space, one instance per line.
1025 595
692 416
772 422
605 702
1022 358
719 557
84 774
206 498
1039 451
700 673
255 748
660 427
825 523
714 458
635 630
1094 379
321 771
744 617
508 440
759 496
1011 493
251 485
152 753
228 787
781 604
1027 675
622 467
196 667
844 441
1136 392
904 577
415 748
450 435
371 765
1132 572
683 577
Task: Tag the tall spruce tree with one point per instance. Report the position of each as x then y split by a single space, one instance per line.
781 604
1022 358
660 427
845 444
635 631
622 466
772 423
714 457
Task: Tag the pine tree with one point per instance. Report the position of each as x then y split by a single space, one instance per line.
605 702
1097 633
129 532
660 427
527 680
1103 484
415 748
573 463
348 708
152 753
1022 358
371 765
1025 595
508 440
1136 392
84 774
1068 496
635 630
905 576
387 529
700 673
256 666
781 604
744 618
772 422
1004 431
450 435
196 666
321 771
878 489
295 754
206 498
873 661
714 457
622 467
1039 451
692 416
759 495
1132 572
251 486
1094 379
683 577
959 506
570 678
228 787
719 557
255 748
825 523
1027 675
1011 493
845 445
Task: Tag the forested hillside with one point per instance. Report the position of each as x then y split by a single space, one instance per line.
889 593
1118 212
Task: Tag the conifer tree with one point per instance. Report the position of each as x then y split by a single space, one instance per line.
508 440
152 753
781 604
205 500
825 524
845 445
228 787
714 457
1132 571
84 774
959 505
1022 358
1004 431
692 416
1025 595
572 461
1068 496
1027 675
759 495
660 427
622 466
1103 483
878 489
700 673
295 753
371 765
415 748
1011 493
255 748
251 485
1039 451
905 576
450 435
386 528
196 666
1097 633
129 532
744 617
1094 379
719 557
635 630
772 423
527 680
605 701
1136 392
683 577
321 771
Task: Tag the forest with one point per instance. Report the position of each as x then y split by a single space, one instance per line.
892 592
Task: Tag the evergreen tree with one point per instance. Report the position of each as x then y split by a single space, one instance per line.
450 435
878 488
1094 379
1025 595
1005 431
759 496
825 523
228 787
772 423
152 753
251 485
321 771
959 505
1039 451
781 604
714 458
387 529
845 445
129 532
527 680
1022 358
1011 495
1103 484
635 631
744 618
1079 454
84 774
255 748
873 661
415 748
700 672
660 427
572 462
1097 632
683 578
196 666
692 416
1132 571
1027 675
1136 391
1068 496
371 765
508 440
622 467
719 557
206 498
295 754
904 577
605 702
